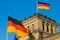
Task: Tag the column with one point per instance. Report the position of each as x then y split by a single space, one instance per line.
56 29
49 28
40 25
45 27
53 29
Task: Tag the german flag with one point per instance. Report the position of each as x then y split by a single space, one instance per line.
42 5
16 27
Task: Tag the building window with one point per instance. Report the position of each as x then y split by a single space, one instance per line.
28 27
33 26
43 26
51 29
47 28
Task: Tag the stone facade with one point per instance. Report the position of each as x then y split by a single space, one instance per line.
40 27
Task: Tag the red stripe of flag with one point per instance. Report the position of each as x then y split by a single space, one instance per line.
18 27
43 5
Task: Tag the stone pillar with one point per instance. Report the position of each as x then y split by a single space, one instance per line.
49 27
45 27
54 29
37 36
40 26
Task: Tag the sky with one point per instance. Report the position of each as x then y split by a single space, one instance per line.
20 9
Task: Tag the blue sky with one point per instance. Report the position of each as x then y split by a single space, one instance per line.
21 9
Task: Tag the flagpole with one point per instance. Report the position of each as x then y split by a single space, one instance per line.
7 32
36 7
7 36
